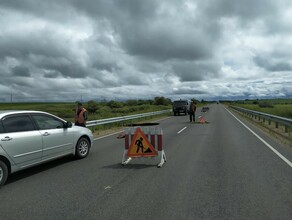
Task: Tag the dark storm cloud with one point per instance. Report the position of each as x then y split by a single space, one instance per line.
165 44
139 48
44 51
166 37
21 71
244 10
57 66
51 75
195 71
53 10
183 91
39 50
118 11
146 30
278 67
19 83
108 66
41 43
272 65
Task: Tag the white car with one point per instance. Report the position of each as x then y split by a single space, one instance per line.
28 138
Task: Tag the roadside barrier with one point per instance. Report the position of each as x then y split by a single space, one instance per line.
286 122
142 142
124 118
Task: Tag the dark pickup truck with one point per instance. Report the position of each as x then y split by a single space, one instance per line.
181 106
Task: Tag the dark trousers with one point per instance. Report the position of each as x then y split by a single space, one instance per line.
80 124
192 116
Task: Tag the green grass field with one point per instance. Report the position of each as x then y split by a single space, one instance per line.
67 110
279 107
279 110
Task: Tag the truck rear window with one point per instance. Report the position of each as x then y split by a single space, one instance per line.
180 103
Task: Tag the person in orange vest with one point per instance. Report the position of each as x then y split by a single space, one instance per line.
80 115
192 111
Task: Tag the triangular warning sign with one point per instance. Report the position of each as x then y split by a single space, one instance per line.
140 146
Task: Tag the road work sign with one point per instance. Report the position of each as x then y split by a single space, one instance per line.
140 146
141 142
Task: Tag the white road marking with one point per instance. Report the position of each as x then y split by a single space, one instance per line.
262 140
107 135
181 130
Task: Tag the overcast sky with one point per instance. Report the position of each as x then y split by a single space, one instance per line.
68 50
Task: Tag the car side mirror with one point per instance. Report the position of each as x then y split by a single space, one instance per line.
68 124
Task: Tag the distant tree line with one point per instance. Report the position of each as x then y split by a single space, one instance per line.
92 106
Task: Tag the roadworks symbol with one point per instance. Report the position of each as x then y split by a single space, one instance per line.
140 146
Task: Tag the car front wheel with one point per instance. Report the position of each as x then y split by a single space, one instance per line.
3 173
82 147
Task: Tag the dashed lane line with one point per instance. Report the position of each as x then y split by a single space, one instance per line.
181 130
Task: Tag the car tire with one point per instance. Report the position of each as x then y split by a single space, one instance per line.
82 148
3 172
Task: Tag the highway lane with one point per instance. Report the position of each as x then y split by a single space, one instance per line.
218 170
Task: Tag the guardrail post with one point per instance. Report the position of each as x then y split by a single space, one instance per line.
286 129
277 124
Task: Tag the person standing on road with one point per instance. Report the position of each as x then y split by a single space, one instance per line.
192 111
80 115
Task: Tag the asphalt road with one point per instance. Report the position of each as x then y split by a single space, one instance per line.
218 170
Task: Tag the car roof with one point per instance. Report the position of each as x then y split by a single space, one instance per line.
9 112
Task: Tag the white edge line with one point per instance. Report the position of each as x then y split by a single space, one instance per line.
262 140
107 135
181 130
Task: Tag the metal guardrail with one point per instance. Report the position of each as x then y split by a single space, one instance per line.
277 119
124 118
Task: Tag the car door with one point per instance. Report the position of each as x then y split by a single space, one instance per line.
21 140
57 140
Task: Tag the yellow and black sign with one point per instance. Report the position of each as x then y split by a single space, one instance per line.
140 146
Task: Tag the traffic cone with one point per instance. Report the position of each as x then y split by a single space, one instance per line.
202 120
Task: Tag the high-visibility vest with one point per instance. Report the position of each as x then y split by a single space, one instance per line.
80 118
